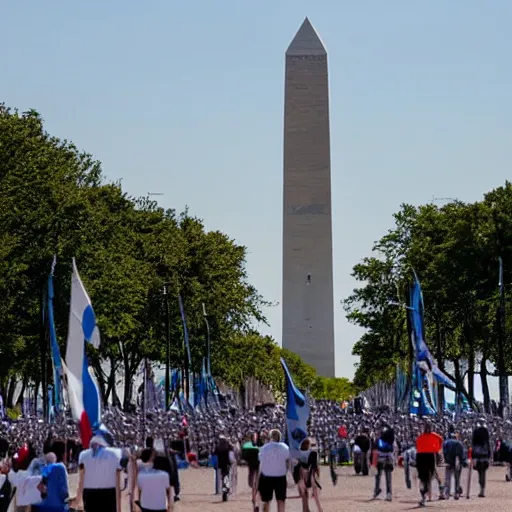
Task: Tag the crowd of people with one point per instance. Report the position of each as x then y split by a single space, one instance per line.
150 449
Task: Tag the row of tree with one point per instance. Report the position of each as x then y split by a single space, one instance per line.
55 201
455 250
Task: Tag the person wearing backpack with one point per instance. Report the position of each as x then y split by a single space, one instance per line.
455 459
504 449
385 461
362 447
481 450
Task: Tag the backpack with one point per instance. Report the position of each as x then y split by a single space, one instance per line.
480 452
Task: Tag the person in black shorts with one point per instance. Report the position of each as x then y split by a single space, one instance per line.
274 462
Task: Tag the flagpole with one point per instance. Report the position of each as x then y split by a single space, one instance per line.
144 399
42 340
186 350
208 346
167 348
503 378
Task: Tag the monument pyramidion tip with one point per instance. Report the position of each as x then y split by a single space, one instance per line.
306 41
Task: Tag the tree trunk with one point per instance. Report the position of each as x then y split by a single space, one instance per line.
128 384
128 389
471 373
36 391
111 379
11 388
3 387
485 384
242 394
21 396
459 385
116 402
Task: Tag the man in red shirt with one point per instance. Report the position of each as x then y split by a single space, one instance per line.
428 445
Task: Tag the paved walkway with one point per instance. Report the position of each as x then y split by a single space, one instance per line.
352 493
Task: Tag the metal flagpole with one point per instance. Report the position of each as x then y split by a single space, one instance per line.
144 400
503 378
167 349
208 345
43 331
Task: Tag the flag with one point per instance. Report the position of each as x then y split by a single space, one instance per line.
83 392
54 345
297 414
2 409
424 365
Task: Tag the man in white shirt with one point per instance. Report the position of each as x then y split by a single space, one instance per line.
274 462
99 479
154 487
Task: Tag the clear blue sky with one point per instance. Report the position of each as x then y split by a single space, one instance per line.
185 97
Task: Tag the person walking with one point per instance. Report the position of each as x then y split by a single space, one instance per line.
362 446
99 479
24 479
455 460
250 453
308 474
175 474
274 461
504 455
54 486
385 462
428 445
481 451
225 459
154 486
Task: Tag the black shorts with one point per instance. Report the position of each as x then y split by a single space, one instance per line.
481 464
268 485
426 466
100 499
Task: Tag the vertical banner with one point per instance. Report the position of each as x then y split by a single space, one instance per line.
83 392
55 351
297 414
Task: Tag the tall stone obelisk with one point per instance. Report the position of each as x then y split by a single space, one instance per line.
308 309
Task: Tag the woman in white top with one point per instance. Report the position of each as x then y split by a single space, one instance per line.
155 487
24 479
308 474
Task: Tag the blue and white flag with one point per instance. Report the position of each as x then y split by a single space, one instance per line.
423 398
83 392
54 345
297 414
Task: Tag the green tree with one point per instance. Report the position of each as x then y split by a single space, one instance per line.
337 389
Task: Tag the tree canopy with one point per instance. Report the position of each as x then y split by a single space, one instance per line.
454 249
54 200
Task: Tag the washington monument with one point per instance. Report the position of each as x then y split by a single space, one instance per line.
308 310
